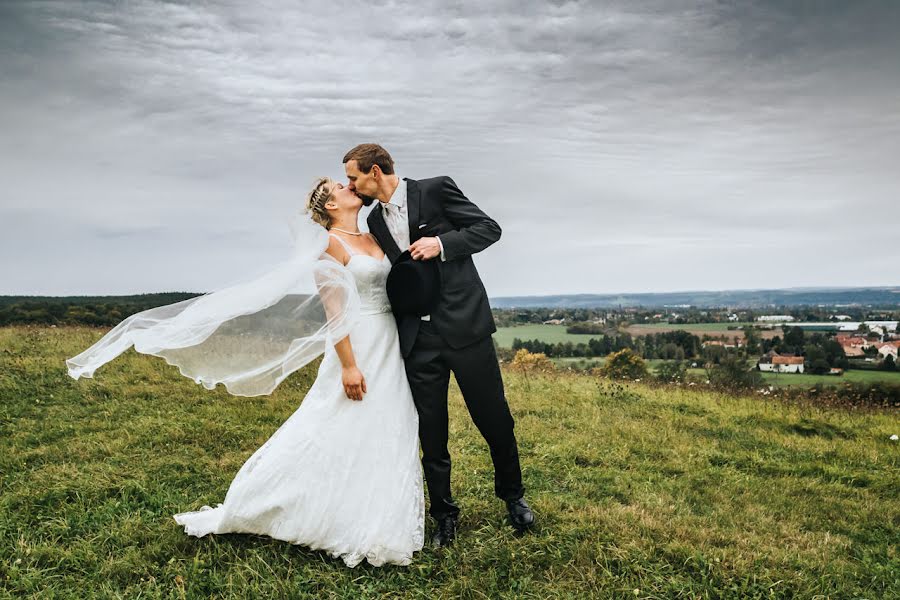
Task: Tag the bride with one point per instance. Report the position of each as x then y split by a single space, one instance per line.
342 474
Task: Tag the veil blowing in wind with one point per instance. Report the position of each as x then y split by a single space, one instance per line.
248 336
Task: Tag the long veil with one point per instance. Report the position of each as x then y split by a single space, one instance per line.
249 336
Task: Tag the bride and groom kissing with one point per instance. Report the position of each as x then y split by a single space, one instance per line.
405 307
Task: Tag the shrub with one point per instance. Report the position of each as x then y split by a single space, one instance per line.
671 371
732 374
528 362
624 364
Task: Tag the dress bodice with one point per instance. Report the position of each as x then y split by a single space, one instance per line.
370 274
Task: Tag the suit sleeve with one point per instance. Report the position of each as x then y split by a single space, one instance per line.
475 230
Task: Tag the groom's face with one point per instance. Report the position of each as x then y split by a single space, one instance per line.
362 184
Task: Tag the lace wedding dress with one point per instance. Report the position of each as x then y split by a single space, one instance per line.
339 475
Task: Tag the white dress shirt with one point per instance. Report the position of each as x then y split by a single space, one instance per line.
396 217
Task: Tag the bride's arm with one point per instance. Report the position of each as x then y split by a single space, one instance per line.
333 301
352 377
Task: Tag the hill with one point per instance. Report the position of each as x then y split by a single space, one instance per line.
640 492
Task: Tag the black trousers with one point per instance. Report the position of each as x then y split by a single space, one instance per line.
428 369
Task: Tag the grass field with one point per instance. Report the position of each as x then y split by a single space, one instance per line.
856 376
700 329
557 333
639 492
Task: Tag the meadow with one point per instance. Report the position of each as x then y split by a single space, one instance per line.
853 376
557 333
700 329
640 492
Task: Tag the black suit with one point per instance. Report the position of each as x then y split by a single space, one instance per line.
457 338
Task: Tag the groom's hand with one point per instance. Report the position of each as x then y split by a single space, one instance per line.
425 248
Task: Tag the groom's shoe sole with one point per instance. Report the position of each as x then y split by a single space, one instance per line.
437 544
520 530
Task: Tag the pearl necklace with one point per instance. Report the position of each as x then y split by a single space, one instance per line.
347 232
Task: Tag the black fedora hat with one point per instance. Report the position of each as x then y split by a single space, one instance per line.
413 286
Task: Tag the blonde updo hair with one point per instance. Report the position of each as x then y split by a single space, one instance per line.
316 199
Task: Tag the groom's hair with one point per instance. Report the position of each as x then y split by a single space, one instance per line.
367 155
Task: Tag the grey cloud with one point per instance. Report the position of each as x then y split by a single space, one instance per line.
614 140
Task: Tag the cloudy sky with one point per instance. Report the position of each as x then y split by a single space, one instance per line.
627 146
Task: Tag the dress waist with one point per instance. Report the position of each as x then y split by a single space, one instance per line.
374 310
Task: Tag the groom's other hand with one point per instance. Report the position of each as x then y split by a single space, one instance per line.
425 248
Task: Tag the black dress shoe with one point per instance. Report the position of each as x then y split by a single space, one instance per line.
520 515
446 532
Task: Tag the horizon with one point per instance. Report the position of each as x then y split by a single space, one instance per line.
895 288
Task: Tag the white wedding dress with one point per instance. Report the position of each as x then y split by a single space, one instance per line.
339 475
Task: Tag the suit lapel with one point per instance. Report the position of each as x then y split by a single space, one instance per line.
413 201
382 234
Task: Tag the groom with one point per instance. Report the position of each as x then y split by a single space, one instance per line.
434 221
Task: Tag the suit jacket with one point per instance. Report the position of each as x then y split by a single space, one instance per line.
435 207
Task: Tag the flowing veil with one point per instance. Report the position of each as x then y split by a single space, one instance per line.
249 336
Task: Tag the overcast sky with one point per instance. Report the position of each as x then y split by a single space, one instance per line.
150 146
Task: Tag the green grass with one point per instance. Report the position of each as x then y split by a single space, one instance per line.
852 376
639 492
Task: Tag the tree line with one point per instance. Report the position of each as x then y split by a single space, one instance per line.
675 345
80 310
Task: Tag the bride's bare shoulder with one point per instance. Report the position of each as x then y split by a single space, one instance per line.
337 251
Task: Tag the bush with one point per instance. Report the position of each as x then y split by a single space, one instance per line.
733 375
671 371
624 364
528 362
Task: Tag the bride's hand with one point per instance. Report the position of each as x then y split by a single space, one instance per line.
354 383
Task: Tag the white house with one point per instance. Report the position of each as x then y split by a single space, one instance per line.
781 364
888 350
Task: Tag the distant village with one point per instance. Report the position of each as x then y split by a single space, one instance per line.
819 340
867 341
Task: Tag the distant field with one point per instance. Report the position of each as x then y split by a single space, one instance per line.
554 334
858 376
708 327
699 329
551 334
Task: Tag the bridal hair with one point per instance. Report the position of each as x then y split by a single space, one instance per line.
367 155
316 199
